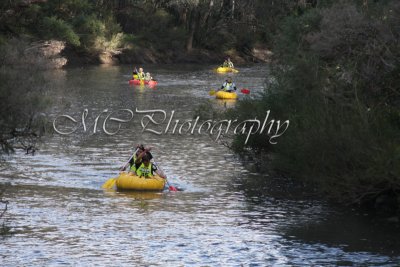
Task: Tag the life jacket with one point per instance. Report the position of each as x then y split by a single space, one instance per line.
141 75
145 171
225 64
229 86
133 165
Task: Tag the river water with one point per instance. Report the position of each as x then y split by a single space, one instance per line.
226 215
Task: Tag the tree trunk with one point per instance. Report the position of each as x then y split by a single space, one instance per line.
233 8
193 21
192 30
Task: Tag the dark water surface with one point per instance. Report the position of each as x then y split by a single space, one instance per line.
227 216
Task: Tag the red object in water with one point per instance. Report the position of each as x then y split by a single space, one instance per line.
172 188
245 91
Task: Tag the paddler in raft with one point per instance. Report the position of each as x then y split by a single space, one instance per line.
148 77
228 63
134 74
145 168
131 164
141 75
228 85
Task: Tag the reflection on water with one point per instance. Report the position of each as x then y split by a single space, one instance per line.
141 195
226 216
226 103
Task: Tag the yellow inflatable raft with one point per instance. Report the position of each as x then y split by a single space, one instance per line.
127 181
226 95
226 69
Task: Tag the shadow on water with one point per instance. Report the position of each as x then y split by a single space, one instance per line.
352 232
308 220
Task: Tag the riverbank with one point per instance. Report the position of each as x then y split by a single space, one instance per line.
142 55
58 54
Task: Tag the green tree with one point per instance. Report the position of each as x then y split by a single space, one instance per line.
336 79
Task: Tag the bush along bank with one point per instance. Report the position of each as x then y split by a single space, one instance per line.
336 78
141 31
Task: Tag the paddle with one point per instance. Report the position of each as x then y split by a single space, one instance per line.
212 92
245 91
111 182
170 187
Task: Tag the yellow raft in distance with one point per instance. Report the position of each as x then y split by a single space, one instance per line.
226 95
126 181
226 69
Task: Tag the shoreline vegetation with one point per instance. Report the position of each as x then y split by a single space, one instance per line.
336 78
127 32
334 75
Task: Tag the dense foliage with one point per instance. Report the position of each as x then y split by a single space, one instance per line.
165 26
85 25
337 80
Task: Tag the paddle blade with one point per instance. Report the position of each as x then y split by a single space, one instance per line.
172 188
109 183
212 92
245 91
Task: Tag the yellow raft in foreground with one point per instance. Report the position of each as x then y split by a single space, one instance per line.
226 69
226 95
127 181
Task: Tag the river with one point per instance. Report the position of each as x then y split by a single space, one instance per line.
226 215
